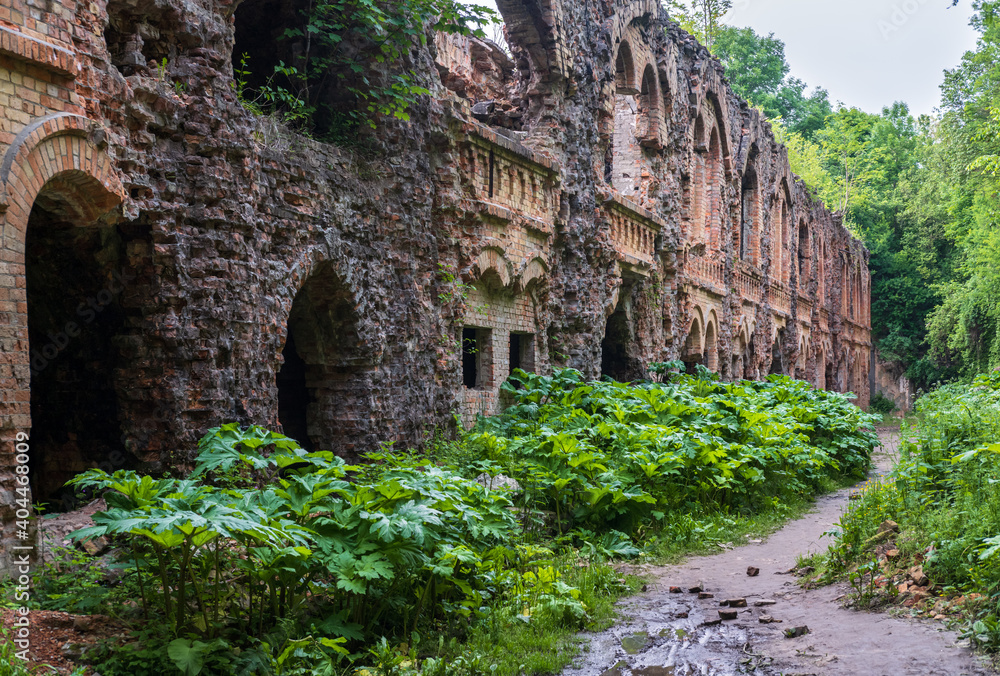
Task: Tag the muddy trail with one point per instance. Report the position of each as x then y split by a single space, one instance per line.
676 634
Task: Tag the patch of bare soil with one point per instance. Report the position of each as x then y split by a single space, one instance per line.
57 638
683 632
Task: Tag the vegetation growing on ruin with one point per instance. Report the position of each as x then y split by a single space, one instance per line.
353 63
270 559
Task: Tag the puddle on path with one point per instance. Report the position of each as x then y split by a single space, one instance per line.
657 640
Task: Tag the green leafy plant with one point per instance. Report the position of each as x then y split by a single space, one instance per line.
359 48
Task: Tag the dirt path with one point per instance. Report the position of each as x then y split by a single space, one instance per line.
658 639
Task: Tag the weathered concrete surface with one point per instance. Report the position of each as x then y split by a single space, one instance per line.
616 205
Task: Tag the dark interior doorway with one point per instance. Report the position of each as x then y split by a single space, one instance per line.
615 362
294 397
326 397
76 277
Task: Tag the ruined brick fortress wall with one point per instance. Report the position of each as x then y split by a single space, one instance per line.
598 198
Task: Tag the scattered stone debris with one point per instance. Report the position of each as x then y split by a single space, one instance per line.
767 619
696 589
765 602
729 614
795 632
888 526
734 603
705 595
919 577
753 571
616 670
676 590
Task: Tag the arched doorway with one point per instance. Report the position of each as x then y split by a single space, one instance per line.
614 347
76 275
693 353
777 358
324 387
711 348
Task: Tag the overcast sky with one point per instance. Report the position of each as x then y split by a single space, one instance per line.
866 53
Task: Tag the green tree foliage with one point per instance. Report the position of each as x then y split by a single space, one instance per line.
878 170
758 71
701 18
353 63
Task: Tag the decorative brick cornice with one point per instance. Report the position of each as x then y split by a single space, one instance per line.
16 44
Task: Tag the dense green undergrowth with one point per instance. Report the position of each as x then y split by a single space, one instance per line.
943 495
270 559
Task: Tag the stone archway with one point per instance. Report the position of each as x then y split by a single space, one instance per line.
324 389
61 279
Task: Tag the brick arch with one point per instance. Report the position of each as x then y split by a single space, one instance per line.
651 103
53 154
694 341
711 341
626 78
638 74
533 274
493 259
534 28
329 354
722 124
628 12
56 152
781 220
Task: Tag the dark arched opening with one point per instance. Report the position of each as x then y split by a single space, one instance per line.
777 359
294 397
748 216
76 275
692 354
803 255
615 363
325 398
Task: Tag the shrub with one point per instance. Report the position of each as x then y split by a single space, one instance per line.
882 404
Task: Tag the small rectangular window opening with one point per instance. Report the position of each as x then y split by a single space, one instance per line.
522 352
470 358
476 359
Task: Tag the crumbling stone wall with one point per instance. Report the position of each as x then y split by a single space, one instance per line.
385 292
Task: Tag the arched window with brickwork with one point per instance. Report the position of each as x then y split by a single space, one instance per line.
693 353
780 226
711 347
698 183
622 162
323 381
805 257
650 110
749 216
637 121
821 273
714 179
